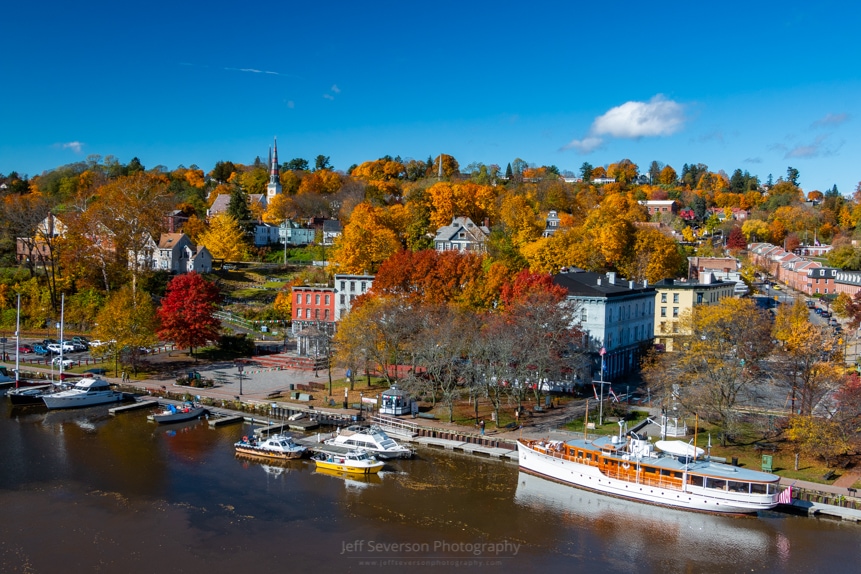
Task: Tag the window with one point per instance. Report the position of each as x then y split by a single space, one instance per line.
326 315
327 299
675 311
675 297
352 286
663 311
307 298
316 313
307 313
317 299
343 298
363 286
663 297
675 327
343 285
298 313
298 298
584 315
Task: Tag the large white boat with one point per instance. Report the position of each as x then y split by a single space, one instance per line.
87 392
632 467
372 440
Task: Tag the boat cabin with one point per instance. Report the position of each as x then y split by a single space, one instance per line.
395 402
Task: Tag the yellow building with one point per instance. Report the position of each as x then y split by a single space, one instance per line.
674 298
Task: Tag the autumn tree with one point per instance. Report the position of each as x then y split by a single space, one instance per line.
736 240
133 208
365 242
187 312
128 320
806 359
225 239
654 257
720 361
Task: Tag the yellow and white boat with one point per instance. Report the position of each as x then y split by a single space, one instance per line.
353 462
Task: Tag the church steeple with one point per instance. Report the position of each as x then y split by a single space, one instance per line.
274 186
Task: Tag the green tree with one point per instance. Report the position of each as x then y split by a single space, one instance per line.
322 162
586 171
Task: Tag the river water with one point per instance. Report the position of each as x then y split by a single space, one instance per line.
82 491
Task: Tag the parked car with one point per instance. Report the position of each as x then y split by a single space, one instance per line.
68 347
66 363
25 349
40 349
53 348
97 343
81 341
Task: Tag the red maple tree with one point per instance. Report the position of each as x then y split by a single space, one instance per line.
187 312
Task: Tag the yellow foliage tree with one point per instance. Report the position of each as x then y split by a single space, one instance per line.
654 257
365 242
322 181
225 239
379 170
818 437
520 220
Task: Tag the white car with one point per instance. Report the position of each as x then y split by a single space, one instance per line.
66 363
97 343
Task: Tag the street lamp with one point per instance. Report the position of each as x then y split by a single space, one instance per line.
241 368
361 404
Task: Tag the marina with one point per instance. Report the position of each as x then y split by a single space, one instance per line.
180 489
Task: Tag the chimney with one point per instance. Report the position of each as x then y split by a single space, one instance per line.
599 280
707 278
630 284
645 282
611 275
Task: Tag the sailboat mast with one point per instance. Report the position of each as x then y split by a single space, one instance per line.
62 320
18 342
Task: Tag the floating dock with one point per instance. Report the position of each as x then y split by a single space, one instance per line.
132 407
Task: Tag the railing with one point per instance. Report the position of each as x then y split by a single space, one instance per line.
404 427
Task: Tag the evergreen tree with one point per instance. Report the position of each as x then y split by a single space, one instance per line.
238 209
508 171
586 171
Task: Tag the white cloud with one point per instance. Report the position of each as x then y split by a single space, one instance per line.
830 120
336 89
632 120
74 146
329 96
657 117
753 160
586 145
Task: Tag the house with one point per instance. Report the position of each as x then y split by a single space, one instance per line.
38 247
687 214
266 234
674 299
331 230
616 316
291 233
222 202
551 224
660 206
175 253
462 235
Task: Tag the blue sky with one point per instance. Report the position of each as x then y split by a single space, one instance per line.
730 85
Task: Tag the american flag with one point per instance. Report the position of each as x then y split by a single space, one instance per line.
785 496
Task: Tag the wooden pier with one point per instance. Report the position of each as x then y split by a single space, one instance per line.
141 404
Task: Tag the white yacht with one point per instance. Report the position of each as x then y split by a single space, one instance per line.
86 393
373 440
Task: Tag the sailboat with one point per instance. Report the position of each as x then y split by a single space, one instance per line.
28 392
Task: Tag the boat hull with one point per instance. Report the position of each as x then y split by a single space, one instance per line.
268 454
192 414
82 400
348 468
591 478
24 396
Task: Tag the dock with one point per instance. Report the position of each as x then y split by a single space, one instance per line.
221 419
132 407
